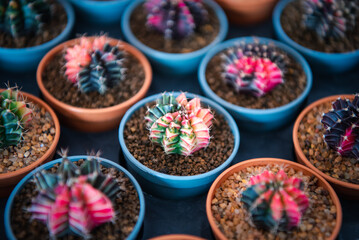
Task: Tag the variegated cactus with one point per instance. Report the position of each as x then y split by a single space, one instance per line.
94 66
180 126
75 199
176 19
253 67
15 115
342 127
274 201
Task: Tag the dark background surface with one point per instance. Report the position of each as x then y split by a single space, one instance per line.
189 216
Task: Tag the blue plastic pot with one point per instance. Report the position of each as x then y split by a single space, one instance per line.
104 12
107 163
323 62
174 63
26 59
257 119
169 186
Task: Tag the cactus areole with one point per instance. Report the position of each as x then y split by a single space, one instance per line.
253 68
342 127
274 201
75 199
178 125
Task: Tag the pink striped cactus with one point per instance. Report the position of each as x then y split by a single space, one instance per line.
274 201
180 126
75 200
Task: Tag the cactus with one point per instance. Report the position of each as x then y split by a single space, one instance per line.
253 67
23 17
94 66
176 19
75 199
179 126
330 18
14 117
274 201
342 127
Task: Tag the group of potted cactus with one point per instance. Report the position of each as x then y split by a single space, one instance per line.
176 144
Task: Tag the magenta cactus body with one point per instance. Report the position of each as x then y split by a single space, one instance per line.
274 201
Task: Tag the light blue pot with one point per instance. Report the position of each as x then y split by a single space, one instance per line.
169 186
257 119
26 59
104 162
174 63
104 12
323 62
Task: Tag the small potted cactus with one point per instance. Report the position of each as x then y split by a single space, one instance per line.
174 34
84 196
29 133
327 33
174 145
100 78
260 81
269 198
30 28
326 139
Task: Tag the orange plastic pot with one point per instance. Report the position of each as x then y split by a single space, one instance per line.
93 120
246 12
10 179
177 237
264 162
348 189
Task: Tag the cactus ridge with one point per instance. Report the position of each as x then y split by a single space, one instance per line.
175 19
75 199
342 127
274 201
254 68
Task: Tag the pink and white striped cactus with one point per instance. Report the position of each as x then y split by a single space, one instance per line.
180 126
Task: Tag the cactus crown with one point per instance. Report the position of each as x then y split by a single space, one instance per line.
14 117
253 67
23 17
94 66
330 18
175 19
274 201
75 199
180 126
342 127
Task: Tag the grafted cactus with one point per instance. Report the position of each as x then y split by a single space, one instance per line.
181 127
342 127
75 199
94 66
274 201
14 117
253 67
330 18
23 17
176 19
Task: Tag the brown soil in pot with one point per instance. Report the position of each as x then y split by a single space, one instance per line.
50 30
152 155
294 84
127 206
326 160
233 220
37 139
201 38
291 19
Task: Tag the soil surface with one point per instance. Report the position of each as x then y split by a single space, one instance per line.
127 205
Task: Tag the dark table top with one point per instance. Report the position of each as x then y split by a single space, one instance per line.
189 216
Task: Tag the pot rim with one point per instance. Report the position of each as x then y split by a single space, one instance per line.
177 237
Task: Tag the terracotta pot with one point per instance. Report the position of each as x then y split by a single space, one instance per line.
246 12
99 119
177 237
10 179
347 189
263 162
